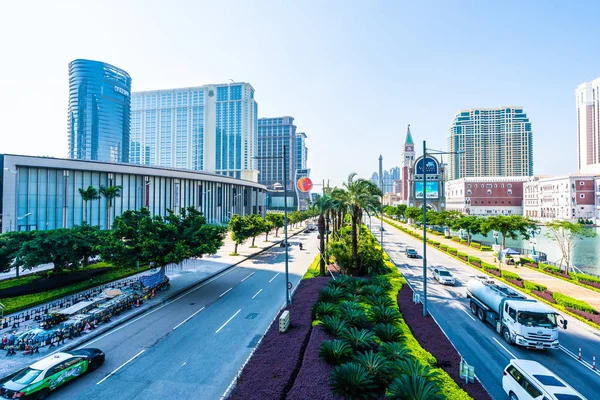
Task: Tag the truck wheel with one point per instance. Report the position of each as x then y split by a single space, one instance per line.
43 394
513 396
481 314
506 335
473 308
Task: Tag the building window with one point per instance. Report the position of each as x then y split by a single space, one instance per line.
475 186
469 186
509 191
582 196
580 183
502 185
509 185
469 192
489 185
496 186
489 192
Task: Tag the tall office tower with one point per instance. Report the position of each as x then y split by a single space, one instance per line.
301 151
375 178
495 141
587 99
273 134
211 128
99 112
408 157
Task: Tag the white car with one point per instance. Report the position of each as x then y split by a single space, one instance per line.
443 276
529 380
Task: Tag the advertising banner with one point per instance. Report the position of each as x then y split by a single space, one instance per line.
433 190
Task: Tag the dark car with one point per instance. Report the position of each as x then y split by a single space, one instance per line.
412 253
40 378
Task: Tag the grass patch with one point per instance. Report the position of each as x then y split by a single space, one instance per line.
14 304
24 280
313 269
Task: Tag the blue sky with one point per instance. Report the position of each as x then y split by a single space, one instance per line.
352 73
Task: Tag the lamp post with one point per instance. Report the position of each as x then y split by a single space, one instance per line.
233 203
532 232
427 152
285 217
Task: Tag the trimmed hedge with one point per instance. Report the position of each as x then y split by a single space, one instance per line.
444 247
510 275
567 301
489 267
452 251
486 248
534 286
586 277
473 259
475 245
525 260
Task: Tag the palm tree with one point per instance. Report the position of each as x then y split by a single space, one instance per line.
338 207
360 195
109 193
321 206
91 193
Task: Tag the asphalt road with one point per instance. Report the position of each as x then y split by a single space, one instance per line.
193 346
478 342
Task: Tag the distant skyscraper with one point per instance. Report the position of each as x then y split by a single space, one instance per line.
301 151
99 112
273 133
587 100
375 178
211 128
495 141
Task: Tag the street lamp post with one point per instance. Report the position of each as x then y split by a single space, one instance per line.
425 153
233 203
285 217
532 233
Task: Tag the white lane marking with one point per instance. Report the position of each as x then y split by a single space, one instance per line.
573 356
256 294
466 312
184 363
156 309
124 364
274 277
500 344
248 276
226 322
187 319
225 292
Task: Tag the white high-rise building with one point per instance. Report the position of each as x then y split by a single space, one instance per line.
210 128
495 141
587 98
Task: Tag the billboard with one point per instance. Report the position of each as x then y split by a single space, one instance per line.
433 190
431 166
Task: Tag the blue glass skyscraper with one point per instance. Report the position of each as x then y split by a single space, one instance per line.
99 112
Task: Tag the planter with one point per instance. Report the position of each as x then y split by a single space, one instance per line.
595 318
546 295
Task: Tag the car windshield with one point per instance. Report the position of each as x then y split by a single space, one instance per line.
537 319
411 251
561 396
26 376
445 273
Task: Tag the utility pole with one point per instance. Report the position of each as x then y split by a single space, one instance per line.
285 225
381 187
424 228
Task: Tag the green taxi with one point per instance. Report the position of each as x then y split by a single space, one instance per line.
39 379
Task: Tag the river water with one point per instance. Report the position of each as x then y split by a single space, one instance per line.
586 254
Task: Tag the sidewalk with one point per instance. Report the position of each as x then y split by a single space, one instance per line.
553 284
182 277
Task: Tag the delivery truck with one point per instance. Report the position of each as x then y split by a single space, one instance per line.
520 321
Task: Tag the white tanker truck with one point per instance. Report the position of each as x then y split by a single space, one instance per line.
521 321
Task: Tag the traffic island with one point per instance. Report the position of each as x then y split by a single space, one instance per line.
432 338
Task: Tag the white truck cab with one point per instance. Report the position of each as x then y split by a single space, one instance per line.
530 324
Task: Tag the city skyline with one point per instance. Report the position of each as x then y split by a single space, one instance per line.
316 72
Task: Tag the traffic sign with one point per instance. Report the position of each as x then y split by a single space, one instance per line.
290 285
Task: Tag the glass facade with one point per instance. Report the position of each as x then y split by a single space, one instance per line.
495 141
273 134
99 112
301 151
42 193
211 128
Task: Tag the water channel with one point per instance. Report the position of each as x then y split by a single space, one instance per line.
586 254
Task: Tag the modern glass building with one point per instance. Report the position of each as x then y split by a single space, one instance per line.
301 151
211 128
273 134
495 141
99 112
43 193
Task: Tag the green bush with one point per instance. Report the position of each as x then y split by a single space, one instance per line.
486 248
335 326
359 339
489 267
413 387
525 260
394 351
567 301
586 277
463 241
331 294
475 245
353 313
377 366
335 352
379 301
444 247
534 286
452 250
352 381
510 275
373 290
381 281
464 255
384 315
387 333
550 268
456 239
473 259
321 309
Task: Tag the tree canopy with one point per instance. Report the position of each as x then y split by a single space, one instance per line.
567 236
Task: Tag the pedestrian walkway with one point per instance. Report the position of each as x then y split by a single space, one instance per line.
182 277
553 284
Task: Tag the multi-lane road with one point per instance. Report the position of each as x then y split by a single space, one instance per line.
479 343
193 346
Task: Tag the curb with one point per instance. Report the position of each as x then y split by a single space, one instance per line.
101 330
